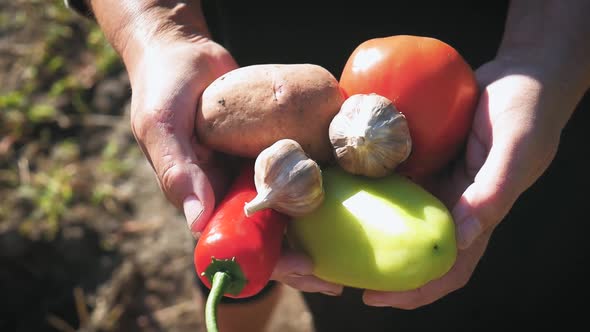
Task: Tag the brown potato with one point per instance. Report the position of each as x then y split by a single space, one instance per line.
250 108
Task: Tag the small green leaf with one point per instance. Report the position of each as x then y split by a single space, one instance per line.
41 113
13 99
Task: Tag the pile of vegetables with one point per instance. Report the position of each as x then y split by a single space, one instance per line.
331 162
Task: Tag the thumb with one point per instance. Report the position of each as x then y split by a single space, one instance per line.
487 199
512 165
179 162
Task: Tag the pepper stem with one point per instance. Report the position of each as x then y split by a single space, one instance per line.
218 286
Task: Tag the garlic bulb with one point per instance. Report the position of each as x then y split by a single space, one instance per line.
286 180
369 135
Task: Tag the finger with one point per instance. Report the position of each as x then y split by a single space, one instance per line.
518 155
507 172
452 182
296 270
311 284
165 136
163 122
455 279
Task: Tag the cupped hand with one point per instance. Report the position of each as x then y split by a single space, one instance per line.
514 137
167 81
167 84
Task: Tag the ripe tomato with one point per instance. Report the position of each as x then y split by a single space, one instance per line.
430 83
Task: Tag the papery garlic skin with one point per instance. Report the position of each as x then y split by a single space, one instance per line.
370 136
286 180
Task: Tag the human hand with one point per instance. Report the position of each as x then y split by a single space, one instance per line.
514 137
167 80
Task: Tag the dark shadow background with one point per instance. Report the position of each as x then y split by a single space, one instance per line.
532 273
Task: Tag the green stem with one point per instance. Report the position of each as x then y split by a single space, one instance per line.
220 282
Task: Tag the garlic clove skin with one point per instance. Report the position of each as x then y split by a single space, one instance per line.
286 180
370 136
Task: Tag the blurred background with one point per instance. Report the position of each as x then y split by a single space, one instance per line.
87 241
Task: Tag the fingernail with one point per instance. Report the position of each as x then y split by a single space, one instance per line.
461 211
469 230
333 292
193 208
295 275
377 304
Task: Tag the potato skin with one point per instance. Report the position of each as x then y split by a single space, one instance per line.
250 108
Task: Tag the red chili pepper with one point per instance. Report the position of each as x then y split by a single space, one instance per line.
235 255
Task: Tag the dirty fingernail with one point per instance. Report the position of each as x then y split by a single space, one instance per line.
469 230
193 208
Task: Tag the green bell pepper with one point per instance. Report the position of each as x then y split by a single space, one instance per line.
386 234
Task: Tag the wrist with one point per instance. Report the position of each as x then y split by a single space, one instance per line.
550 60
554 89
556 66
550 35
137 27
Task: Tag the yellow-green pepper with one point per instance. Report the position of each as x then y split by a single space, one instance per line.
385 234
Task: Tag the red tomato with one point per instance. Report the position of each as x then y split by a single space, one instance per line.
430 83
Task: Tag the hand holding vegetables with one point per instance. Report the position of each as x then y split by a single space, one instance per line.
409 234
190 174
514 136
536 80
393 281
491 175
